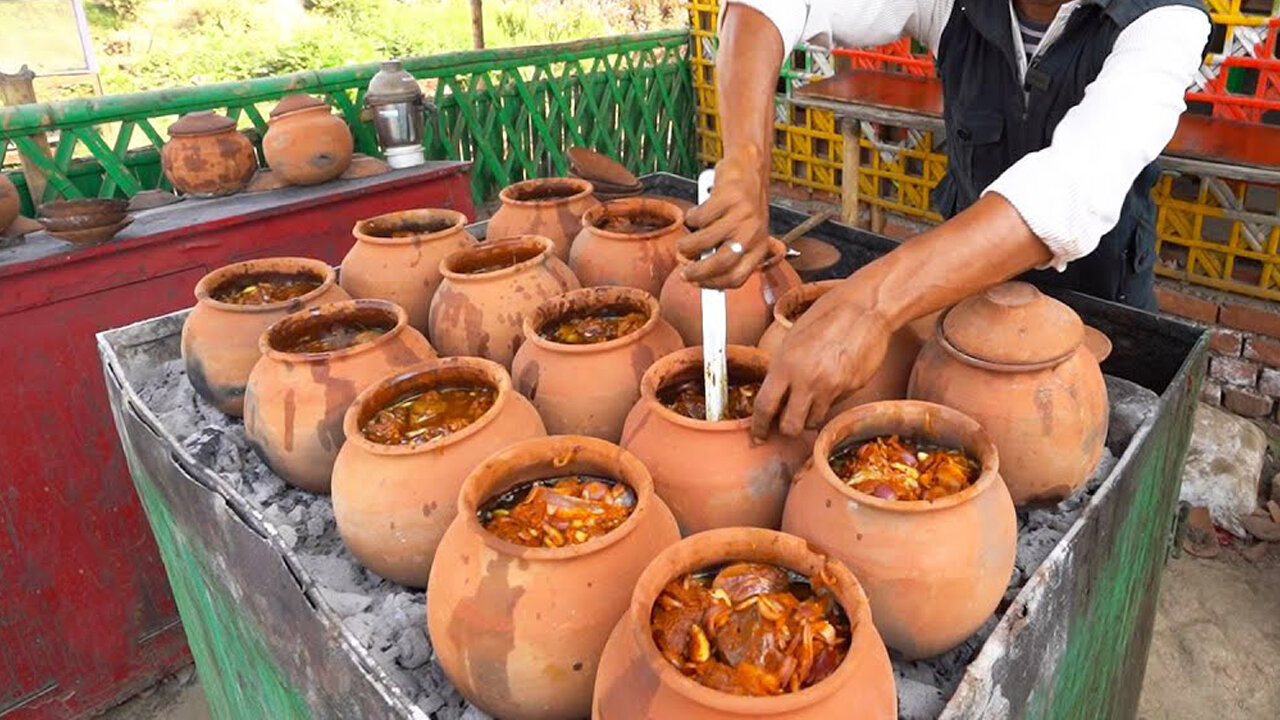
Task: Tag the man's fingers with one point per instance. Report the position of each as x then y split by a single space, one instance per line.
721 263
733 273
695 243
708 212
819 410
796 412
768 402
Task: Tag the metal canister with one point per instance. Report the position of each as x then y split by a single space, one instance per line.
398 109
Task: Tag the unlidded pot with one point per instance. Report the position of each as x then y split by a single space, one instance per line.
397 257
393 503
206 156
294 403
935 570
749 306
220 340
712 474
589 389
635 682
519 630
550 207
305 142
629 242
1014 360
480 306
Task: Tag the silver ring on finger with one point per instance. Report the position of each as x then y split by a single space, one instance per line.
736 248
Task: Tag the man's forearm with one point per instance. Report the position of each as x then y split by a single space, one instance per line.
747 67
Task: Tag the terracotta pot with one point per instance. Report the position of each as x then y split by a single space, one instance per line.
220 341
482 313
206 156
636 683
712 474
305 142
404 270
632 259
934 570
294 403
550 207
750 306
589 389
389 518
519 630
10 203
1015 361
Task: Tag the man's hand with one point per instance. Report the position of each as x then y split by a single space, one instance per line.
735 217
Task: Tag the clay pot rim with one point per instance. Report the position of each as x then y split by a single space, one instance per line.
402 321
777 252
594 214
633 473
834 434
978 362
214 278
595 297
585 189
459 224
494 374
798 294
682 359
548 249
764 546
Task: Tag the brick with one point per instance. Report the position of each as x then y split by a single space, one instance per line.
1263 349
1186 305
1246 403
1269 382
1251 318
1233 371
1211 393
1226 342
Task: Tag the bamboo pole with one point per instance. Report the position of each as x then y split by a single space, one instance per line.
19 89
477 24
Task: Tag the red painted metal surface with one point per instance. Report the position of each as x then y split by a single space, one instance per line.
86 618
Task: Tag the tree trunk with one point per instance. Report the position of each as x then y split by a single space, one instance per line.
477 24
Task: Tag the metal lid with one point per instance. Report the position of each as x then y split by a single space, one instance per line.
1013 324
301 101
392 84
204 122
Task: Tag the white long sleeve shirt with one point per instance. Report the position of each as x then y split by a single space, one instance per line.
1071 192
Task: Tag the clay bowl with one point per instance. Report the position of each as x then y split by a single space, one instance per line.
610 251
712 474
1097 342
519 630
220 340
816 256
589 389
91 236
636 683
549 207
597 167
105 207
87 221
934 570
393 503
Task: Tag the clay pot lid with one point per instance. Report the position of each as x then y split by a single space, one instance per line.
301 101
204 122
1013 324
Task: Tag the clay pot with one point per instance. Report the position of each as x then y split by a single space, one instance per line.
404 270
589 389
750 307
1015 361
205 156
519 630
482 313
550 207
632 259
306 143
934 570
712 474
220 341
294 403
10 203
636 683
394 502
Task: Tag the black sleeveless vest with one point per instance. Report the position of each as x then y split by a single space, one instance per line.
993 120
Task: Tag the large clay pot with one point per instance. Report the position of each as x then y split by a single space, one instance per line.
394 502
1015 361
220 341
712 474
397 257
934 570
519 630
482 313
10 203
205 156
294 403
550 207
305 142
607 253
636 683
750 307
589 389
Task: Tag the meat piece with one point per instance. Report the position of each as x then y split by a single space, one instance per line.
742 580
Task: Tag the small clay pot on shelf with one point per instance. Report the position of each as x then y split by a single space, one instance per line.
207 157
306 144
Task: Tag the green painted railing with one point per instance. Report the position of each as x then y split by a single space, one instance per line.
510 111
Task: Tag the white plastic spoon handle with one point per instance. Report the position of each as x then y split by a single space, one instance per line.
715 368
